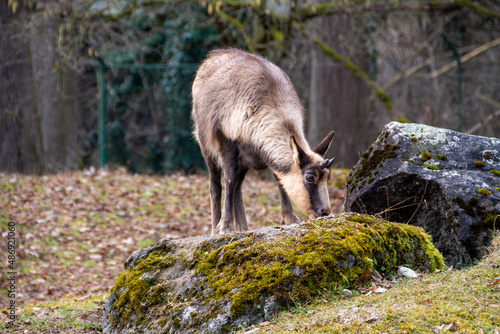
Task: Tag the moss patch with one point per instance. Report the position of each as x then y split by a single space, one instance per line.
295 269
495 172
372 159
425 157
479 164
484 192
136 289
232 277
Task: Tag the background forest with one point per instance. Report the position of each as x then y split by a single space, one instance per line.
79 75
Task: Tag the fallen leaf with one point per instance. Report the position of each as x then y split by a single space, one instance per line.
433 285
493 305
308 325
364 277
376 276
264 323
497 280
449 327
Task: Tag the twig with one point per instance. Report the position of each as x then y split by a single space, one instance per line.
485 121
465 58
421 200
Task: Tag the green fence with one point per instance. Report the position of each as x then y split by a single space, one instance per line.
144 117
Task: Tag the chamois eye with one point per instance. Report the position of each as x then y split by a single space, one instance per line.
310 178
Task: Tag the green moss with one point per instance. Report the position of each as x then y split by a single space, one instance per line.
441 157
497 188
484 192
479 164
425 157
495 172
376 158
414 139
403 119
473 201
431 167
487 156
490 220
135 286
245 269
298 268
469 210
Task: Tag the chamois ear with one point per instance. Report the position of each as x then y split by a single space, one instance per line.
298 152
325 144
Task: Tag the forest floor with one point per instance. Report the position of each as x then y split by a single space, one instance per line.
73 232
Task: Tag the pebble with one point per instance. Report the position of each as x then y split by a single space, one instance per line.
347 293
407 272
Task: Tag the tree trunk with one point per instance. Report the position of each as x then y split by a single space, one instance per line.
338 101
38 131
19 138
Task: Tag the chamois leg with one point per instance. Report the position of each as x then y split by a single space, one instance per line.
240 218
230 167
215 174
288 216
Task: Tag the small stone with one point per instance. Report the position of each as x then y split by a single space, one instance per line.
347 293
407 272
497 207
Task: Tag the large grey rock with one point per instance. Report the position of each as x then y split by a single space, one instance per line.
444 181
214 284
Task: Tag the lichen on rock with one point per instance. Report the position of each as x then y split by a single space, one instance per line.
427 177
215 284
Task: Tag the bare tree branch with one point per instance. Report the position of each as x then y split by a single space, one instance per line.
465 58
351 67
485 121
341 8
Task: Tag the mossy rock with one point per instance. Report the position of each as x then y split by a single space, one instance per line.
214 284
427 176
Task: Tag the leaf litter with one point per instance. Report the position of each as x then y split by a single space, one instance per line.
75 230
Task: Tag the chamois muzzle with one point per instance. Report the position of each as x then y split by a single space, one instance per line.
327 163
322 212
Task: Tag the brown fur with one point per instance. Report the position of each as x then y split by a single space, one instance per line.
247 115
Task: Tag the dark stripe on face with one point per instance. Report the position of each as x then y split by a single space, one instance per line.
314 197
313 189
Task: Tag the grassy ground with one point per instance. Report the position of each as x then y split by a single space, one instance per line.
75 230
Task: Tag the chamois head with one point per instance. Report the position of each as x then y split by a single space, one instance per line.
310 175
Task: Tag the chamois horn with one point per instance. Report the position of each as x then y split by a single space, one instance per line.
327 163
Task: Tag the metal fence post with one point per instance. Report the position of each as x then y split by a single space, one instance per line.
459 79
101 115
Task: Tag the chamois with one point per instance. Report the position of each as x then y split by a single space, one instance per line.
247 115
